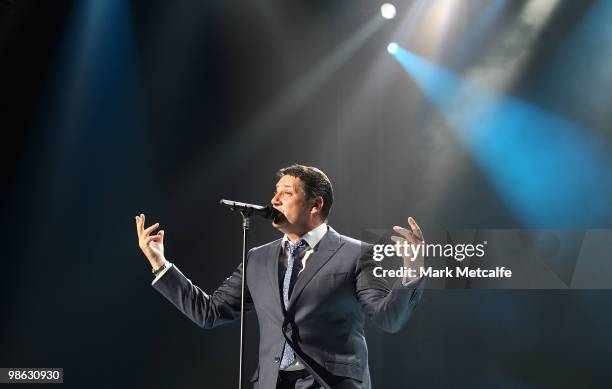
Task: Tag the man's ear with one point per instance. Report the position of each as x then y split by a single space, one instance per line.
317 205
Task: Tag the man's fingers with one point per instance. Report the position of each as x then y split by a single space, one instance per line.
408 235
401 239
403 231
150 229
137 228
140 224
415 228
152 238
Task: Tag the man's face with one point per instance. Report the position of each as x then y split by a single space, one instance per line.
290 199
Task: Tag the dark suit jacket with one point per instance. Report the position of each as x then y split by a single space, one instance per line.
325 318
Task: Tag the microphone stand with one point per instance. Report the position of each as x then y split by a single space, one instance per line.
246 222
246 210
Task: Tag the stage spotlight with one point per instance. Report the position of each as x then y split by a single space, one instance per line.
387 10
392 48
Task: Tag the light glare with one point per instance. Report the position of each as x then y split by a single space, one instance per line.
392 48
387 11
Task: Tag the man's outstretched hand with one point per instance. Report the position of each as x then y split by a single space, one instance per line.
414 237
151 245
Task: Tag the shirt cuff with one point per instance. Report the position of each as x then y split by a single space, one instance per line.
161 273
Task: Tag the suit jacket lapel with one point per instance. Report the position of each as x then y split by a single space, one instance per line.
273 258
327 247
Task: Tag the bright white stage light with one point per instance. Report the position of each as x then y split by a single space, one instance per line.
387 10
392 48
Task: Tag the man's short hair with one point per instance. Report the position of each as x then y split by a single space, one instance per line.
315 182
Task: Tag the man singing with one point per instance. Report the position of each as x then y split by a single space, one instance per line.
311 289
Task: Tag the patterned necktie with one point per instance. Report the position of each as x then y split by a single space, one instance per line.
293 253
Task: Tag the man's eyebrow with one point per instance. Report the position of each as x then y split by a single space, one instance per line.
285 186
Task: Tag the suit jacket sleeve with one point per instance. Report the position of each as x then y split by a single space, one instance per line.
388 307
207 311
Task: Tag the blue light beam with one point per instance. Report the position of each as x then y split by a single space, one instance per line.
578 77
549 171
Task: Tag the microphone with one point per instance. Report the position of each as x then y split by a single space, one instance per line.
267 211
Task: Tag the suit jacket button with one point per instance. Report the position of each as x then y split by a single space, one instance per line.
276 359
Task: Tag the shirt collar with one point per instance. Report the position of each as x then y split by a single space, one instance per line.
312 237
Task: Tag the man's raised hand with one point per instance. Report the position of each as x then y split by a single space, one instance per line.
151 245
414 237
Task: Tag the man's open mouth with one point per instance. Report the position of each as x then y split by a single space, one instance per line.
278 217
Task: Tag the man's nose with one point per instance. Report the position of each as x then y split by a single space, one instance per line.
275 200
